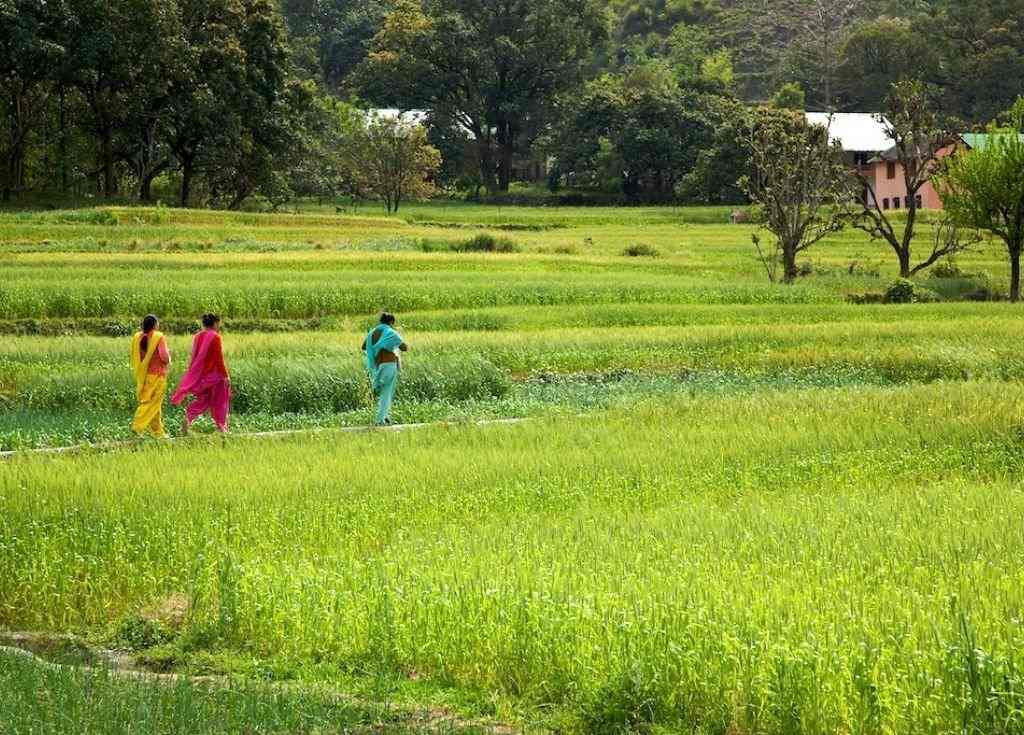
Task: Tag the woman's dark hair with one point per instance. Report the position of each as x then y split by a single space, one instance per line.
149 323
387 318
210 320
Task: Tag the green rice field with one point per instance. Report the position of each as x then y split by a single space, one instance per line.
735 508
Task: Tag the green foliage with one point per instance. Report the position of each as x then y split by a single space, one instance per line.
800 181
905 291
639 127
984 189
486 243
790 96
496 67
392 160
640 250
327 571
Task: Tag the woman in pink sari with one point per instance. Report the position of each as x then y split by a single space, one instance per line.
207 378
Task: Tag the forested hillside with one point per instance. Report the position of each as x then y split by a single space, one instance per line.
844 53
217 102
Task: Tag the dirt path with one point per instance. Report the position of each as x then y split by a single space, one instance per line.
107 446
122 665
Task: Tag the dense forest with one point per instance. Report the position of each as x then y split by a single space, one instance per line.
212 102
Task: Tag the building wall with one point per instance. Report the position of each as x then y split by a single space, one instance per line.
889 186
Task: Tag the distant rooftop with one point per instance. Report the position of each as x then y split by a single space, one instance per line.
391 113
979 141
860 132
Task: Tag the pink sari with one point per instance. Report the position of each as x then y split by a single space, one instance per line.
207 380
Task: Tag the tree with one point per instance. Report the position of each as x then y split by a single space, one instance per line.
494 67
818 29
984 189
29 50
110 46
920 140
210 67
799 181
392 159
252 120
880 52
335 35
983 41
638 127
790 97
329 130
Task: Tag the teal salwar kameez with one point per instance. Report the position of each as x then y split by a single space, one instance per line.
383 377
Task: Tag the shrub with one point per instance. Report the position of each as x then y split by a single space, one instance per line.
905 291
947 269
486 243
640 250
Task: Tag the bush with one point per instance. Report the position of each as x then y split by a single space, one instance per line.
947 269
905 291
967 287
640 250
486 243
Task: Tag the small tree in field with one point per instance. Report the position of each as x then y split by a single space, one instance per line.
920 139
984 189
800 182
391 159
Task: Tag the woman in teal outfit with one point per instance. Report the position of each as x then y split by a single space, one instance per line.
382 363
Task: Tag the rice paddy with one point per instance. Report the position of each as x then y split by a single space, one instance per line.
739 508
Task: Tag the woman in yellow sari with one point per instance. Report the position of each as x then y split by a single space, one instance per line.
150 360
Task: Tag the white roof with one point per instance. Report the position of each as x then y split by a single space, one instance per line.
391 113
855 131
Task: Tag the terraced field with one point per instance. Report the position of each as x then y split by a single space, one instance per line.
738 508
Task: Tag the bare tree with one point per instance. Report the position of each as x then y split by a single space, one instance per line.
818 30
920 141
800 182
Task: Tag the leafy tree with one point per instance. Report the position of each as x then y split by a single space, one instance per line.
920 140
393 160
257 114
984 189
334 36
29 49
639 127
799 180
984 42
494 67
880 52
790 97
321 168
114 49
722 158
210 69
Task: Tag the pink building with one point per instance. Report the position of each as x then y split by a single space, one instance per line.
887 173
890 189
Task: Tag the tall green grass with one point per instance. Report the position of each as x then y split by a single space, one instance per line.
42 701
768 563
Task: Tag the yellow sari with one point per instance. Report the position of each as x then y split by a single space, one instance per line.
149 389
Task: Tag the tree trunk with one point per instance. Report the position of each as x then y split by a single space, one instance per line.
486 156
789 274
1015 274
145 188
505 166
187 169
107 162
62 147
904 255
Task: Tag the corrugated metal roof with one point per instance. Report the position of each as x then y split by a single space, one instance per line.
978 141
860 132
